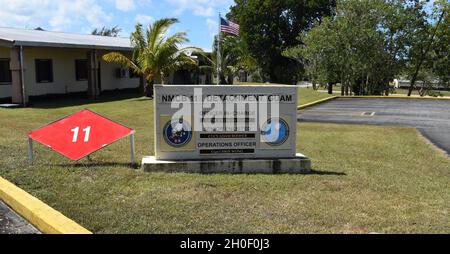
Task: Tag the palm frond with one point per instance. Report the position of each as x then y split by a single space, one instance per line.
137 37
121 59
157 31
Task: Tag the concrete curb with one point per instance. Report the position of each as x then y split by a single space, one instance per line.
429 142
316 102
42 216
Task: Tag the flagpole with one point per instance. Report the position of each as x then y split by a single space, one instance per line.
218 58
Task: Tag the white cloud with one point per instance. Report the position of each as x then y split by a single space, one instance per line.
213 27
58 15
204 11
204 8
144 19
212 24
125 5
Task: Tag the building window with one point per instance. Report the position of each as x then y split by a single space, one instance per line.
44 70
132 74
81 70
5 73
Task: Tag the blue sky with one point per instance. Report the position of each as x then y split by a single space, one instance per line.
197 17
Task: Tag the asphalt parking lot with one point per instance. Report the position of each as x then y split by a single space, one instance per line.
430 117
12 223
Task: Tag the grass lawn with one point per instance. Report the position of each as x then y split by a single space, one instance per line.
366 179
308 95
305 95
415 92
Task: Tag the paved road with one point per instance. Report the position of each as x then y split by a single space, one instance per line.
12 223
430 117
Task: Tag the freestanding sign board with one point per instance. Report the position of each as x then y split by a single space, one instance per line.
225 122
80 134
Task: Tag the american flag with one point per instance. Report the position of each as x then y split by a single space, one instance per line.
227 26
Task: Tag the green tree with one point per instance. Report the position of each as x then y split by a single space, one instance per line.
270 26
155 54
440 62
318 54
235 57
104 31
364 46
227 68
424 38
238 54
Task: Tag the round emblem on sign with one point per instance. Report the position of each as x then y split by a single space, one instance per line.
177 133
275 132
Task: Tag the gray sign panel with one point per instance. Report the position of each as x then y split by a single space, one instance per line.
195 122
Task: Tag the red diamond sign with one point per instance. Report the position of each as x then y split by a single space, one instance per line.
80 134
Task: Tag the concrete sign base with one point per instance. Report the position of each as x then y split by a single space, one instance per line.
297 164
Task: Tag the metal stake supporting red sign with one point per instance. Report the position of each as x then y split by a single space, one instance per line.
80 134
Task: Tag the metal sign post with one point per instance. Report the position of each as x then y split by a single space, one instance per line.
132 150
30 150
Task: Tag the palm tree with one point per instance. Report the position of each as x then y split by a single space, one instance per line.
235 57
155 55
111 32
238 55
227 70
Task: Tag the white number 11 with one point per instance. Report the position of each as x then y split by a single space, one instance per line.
86 131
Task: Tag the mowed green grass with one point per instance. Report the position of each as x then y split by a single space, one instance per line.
305 95
308 95
415 92
365 179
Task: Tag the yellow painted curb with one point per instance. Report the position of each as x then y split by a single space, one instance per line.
368 97
393 97
42 216
316 102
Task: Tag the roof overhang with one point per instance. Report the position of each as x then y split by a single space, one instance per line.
14 37
67 45
6 44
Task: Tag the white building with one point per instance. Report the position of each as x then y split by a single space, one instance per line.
34 63
404 83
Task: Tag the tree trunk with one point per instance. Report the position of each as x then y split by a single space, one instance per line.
149 89
387 88
230 80
424 53
223 80
365 86
141 87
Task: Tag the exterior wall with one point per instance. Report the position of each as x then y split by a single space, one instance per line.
64 79
109 80
5 89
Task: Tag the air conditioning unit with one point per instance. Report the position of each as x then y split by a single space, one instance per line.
121 72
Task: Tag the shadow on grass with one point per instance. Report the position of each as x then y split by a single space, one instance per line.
78 99
144 99
98 165
328 173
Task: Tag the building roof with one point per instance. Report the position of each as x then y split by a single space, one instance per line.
36 38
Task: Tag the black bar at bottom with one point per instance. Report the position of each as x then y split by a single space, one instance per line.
223 151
